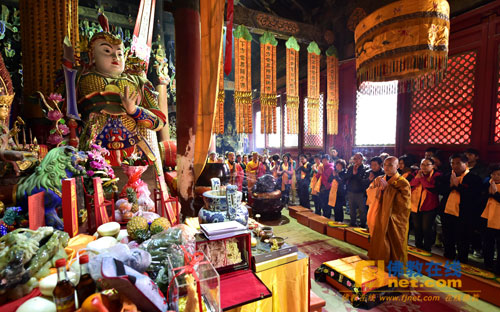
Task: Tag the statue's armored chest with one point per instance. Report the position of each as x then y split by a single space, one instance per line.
92 82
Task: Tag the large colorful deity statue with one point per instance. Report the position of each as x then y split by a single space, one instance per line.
119 107
6 97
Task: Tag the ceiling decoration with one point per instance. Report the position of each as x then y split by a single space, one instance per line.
337 16
356 16
406 41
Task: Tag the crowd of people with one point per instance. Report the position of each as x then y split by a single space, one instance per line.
455 203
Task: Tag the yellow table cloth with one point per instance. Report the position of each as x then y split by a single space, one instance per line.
289 285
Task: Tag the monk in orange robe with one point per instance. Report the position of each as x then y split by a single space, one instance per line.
252 167
235 171
389 214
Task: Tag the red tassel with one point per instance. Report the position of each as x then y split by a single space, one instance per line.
103 21
229 37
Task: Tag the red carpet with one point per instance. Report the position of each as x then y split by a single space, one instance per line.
320 251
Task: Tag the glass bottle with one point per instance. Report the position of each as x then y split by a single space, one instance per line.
64 292
86 286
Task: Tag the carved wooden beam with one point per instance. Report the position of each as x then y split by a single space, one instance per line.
259 22
114 18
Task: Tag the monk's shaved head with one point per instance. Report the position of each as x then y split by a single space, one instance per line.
391 165
392 159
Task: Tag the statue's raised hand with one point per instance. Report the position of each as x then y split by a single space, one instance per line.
130 100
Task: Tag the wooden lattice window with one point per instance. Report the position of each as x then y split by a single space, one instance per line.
290 140
376 101
274 139
443 114
314 141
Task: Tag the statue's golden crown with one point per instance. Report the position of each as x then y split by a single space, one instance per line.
6 99
105 34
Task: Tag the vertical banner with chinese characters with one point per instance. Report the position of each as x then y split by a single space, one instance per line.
69 207
332 91
268 97
292 86
243 79
313 59
219 108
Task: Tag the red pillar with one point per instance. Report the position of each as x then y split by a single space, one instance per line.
188 67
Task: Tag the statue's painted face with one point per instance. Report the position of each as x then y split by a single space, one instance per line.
4 111
109 59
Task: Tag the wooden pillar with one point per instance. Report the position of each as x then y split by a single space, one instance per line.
188 67
347 108
44 25
161 88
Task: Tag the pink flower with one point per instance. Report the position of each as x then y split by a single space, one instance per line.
90 173
64 129
91 155
56 97
96 165
55 115
54 139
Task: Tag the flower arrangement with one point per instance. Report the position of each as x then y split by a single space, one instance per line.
135 159
54 114
98 166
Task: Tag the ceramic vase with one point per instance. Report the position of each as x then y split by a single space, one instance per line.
223 206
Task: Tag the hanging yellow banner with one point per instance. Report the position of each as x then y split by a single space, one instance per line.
243 80
292 86
219 109
332 91
313 63
268 97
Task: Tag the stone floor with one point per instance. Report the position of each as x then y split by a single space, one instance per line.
316 245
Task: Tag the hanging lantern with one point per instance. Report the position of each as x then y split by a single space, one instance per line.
332 87
268 97
406 41
243 79
292 86
313 59
219 109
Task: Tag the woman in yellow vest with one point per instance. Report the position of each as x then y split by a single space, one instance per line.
492 214
424 204
405 169
315 185
285 171
337 196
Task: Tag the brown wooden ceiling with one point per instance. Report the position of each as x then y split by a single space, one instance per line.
333 15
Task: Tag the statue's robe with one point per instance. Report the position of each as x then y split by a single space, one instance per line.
106 122
388 220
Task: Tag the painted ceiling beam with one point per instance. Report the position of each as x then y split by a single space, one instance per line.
259 22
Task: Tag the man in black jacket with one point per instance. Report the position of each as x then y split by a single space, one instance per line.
356 195
461 192
303 175
374 171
